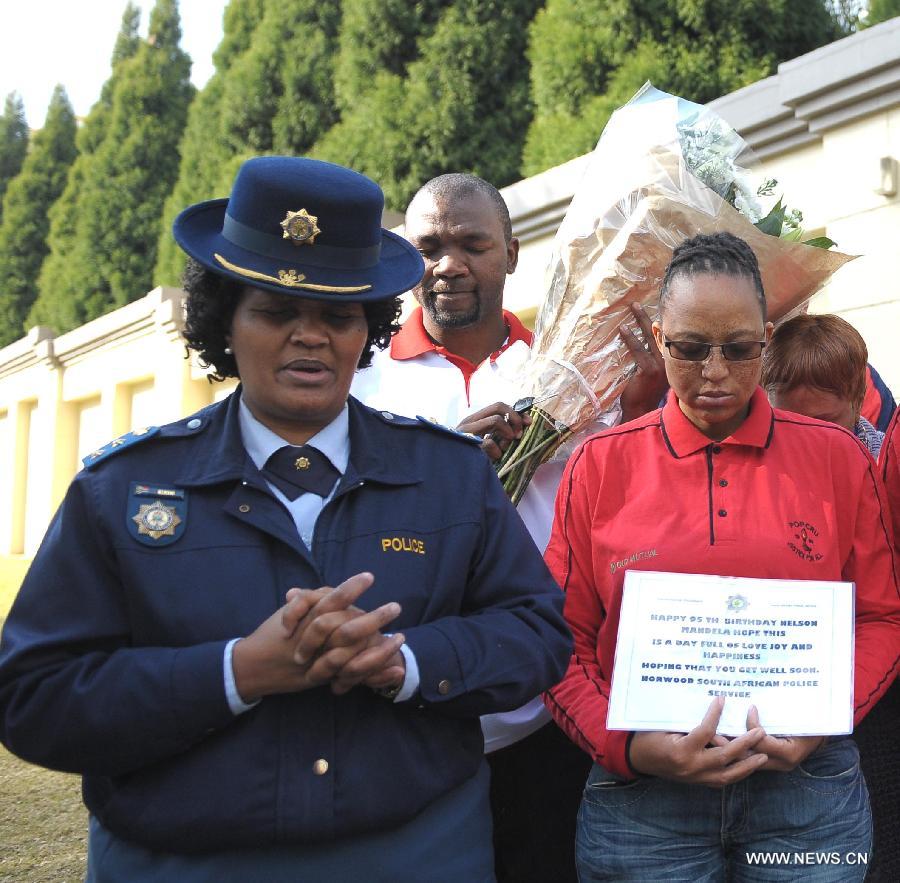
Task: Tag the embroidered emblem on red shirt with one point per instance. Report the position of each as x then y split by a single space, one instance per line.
803 540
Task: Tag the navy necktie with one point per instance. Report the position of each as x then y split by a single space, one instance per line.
297 470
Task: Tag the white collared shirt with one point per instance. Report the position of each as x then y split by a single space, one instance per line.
333 441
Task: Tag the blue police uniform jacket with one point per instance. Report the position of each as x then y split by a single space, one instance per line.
111 663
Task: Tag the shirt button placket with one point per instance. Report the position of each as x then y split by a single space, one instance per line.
724 516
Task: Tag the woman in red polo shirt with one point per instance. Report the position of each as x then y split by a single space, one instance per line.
711 483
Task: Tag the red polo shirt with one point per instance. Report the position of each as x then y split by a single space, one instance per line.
889 463
784 497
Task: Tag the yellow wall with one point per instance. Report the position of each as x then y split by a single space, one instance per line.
834 183
61 397
12 572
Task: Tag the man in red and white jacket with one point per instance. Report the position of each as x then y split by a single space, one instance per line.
458 360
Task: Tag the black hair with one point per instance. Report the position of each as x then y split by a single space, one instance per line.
209 310
720 253
455 185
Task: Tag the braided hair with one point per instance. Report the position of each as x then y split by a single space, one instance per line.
718 254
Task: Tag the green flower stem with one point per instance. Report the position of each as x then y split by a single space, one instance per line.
531 465
534 434
526 455
522 458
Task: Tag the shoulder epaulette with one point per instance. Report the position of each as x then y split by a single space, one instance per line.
448 430
392 419
119 444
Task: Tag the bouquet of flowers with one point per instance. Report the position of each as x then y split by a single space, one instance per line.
663 170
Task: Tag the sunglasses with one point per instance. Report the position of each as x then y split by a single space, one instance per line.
691 351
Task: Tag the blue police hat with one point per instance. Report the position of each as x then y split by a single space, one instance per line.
301 226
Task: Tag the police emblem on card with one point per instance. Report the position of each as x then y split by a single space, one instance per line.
156 515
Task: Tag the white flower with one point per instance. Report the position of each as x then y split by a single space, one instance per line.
746 203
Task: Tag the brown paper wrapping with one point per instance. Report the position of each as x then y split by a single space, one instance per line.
579 363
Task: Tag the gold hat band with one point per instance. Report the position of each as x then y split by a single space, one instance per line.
289 279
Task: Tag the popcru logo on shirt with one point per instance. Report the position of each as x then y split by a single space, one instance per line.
803 540
402 544
631 559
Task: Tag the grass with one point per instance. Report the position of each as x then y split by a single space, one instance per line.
43 824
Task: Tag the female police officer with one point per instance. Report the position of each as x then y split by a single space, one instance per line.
318 746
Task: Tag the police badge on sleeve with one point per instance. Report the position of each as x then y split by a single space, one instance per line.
156 515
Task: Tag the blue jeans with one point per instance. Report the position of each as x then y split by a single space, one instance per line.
814 822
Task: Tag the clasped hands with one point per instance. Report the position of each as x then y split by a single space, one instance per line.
319 637
703 758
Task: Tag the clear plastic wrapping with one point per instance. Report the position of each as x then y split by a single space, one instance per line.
664 170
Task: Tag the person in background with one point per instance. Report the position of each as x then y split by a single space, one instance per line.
878 741
816 365
878 405
264 634
699 487
457 359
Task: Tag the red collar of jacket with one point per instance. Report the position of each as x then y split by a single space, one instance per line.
412 340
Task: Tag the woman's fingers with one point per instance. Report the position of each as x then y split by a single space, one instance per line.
372 663
345 594
342 628
298 603
328 601
783 753
720 761
734 771
346 666
701 756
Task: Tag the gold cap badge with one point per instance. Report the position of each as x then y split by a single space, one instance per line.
300 227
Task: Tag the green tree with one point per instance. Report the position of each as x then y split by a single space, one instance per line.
881 10
127 42
130 175
23 231
849 15
13 140
67 247
202 174
272 93
373 139
469 92
206 157
279 94
378 36
588 56
463 105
